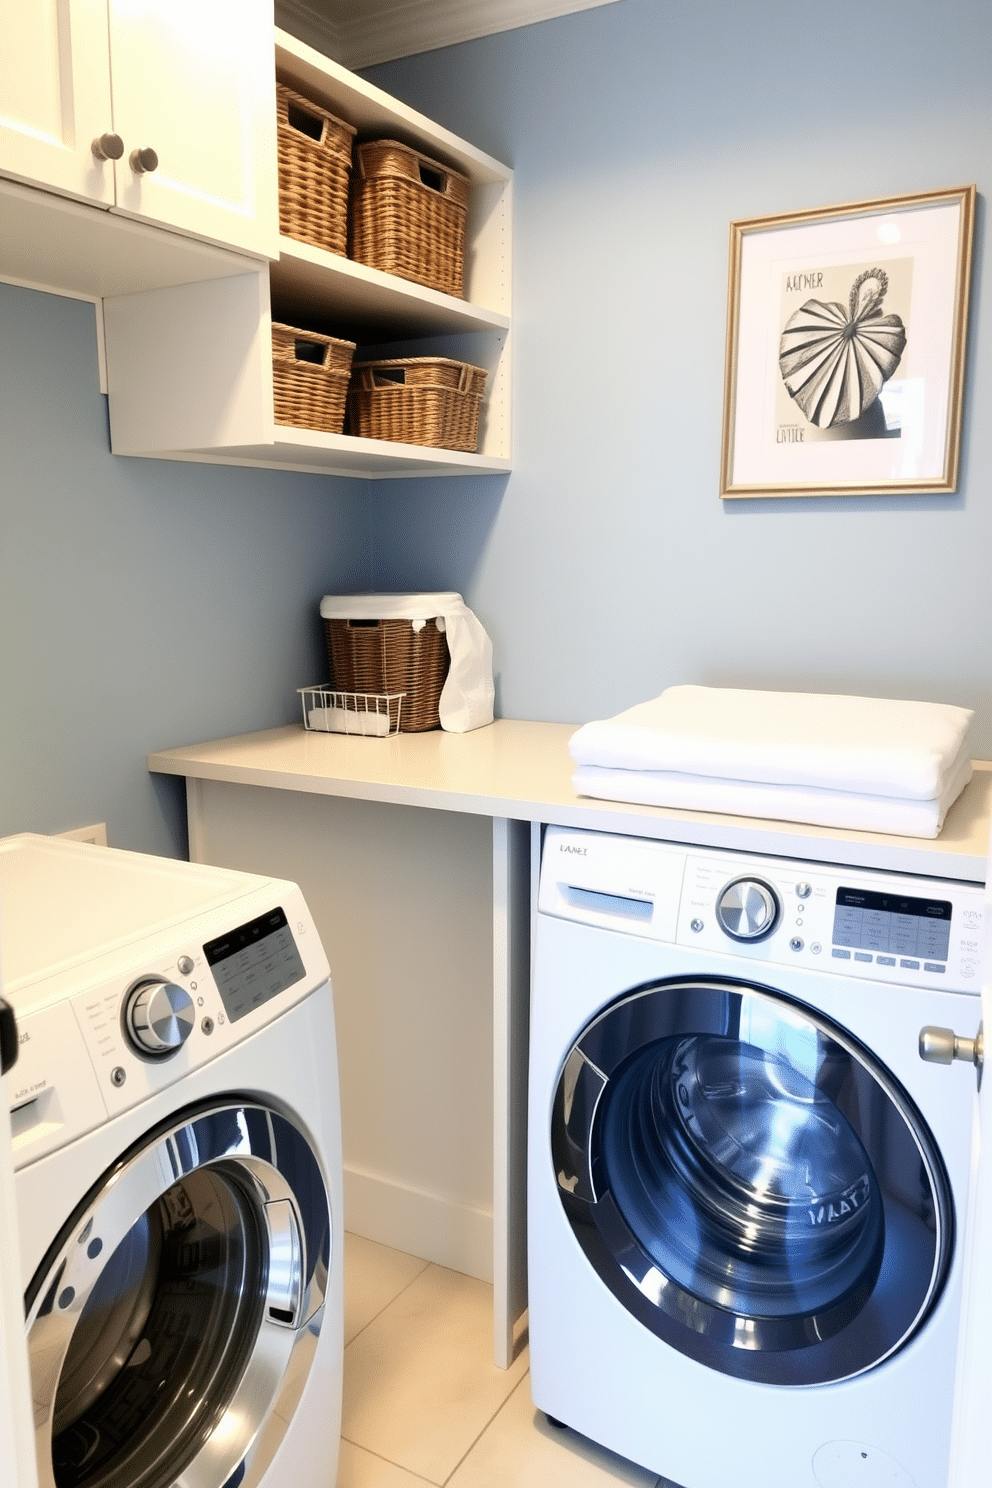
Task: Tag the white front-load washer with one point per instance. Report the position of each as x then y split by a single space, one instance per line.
747 1186
177 1153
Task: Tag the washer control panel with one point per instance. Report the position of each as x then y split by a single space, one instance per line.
147 1015
922 931
854 922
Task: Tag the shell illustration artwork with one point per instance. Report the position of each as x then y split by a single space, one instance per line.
834 362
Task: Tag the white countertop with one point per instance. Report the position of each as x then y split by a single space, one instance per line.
522 770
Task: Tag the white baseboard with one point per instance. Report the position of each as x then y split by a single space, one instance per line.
422 1224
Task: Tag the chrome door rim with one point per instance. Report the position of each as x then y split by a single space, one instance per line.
246 1146
789 1351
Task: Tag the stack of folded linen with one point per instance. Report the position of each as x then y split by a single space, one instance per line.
874 764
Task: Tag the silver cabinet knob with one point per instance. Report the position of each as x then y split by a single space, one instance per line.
158 1017
143 160
747 909
108 146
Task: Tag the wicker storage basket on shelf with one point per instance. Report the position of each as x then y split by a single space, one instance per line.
408 215
391 656
314 172
417 400
310 379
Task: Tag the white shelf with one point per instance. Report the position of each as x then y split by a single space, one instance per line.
341 454
206 394
310 282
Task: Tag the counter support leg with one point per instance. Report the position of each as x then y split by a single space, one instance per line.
195 825
511 997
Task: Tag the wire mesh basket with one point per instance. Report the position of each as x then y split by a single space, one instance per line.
374 715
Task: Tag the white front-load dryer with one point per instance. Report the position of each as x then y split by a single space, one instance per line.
747 1188
177 1153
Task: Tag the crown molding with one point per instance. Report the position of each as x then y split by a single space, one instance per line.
311 24
359 33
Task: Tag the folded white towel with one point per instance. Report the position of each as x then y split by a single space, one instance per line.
871 746
898 815
349 721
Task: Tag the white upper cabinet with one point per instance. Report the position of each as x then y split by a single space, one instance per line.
193 82
55 95
160 110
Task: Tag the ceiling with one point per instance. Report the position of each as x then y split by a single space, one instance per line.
357 33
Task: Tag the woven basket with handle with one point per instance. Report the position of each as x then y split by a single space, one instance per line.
314 172
391 656
417 400
310 379
408 215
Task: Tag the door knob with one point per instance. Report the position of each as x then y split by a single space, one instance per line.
943 1046
143 160
108 146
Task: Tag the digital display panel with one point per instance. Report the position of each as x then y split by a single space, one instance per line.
254 963
895 924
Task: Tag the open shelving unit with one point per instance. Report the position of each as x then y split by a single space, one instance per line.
213 341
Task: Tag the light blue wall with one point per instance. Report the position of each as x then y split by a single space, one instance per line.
143 603
150 603
608 568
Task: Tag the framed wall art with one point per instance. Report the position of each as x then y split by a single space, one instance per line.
846 333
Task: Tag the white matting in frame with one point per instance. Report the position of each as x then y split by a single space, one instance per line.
846 338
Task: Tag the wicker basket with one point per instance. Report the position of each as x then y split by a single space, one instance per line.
417 400
310 379
408 215
390 656
314 172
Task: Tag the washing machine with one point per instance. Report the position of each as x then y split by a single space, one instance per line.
177 1155
749 1156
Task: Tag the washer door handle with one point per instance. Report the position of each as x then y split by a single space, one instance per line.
285 1290
943 1046
8 1037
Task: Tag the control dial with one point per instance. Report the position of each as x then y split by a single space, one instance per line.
158 1017
747 909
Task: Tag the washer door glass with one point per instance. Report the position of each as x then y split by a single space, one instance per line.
750 1183
180 1305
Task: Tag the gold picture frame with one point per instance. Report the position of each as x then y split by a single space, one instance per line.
846 335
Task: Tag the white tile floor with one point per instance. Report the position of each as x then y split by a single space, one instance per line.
423 1402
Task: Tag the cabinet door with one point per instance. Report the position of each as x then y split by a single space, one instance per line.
194 80
55 95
